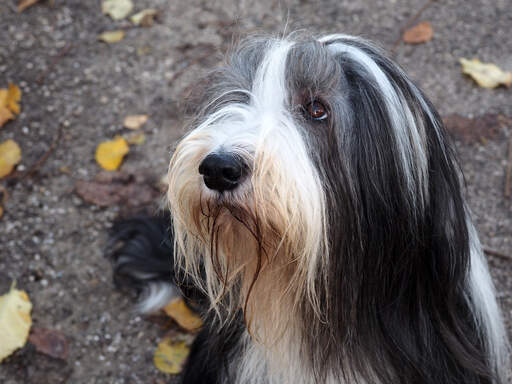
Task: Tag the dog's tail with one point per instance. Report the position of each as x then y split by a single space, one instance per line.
141 251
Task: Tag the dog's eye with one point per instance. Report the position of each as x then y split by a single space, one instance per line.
316 110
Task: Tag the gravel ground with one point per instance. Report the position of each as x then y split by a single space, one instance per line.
51 241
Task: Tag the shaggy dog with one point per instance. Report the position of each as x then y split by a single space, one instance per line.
317 218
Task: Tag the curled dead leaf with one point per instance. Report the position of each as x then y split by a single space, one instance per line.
135 121
486 75
132 189
183 315
117 9
144 18
15 321
110 153
50 342
112 36
10 156
420 33
476 129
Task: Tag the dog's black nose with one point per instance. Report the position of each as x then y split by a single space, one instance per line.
222 171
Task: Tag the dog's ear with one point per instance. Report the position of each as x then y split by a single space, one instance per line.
408 257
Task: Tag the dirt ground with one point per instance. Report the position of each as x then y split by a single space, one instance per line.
51 241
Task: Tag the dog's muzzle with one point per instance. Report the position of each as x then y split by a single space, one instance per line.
222 171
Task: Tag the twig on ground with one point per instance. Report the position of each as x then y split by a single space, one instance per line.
497 254
410 22
29 172
508 174
63 52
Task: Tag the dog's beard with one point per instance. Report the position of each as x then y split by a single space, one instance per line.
257 249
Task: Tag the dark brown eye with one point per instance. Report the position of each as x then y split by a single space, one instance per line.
316 110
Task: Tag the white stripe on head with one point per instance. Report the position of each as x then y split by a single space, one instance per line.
409 132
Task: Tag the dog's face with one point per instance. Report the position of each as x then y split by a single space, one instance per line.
300 148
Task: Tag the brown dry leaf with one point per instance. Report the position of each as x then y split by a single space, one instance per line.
24 4
117 9
10 156
111 36
473 130
420 33
50 342
135 138
486 75
144 18
135 121
110 153
170 356
183 315
15 321
131 189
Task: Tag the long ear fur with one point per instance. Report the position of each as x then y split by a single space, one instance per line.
406 301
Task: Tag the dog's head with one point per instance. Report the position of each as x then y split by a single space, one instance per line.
315 178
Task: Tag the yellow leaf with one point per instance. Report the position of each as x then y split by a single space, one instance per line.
117 9
171 356
144 18
10 155
486 75
9 106
178 310
112 36
135 121
13 97
135 138
15 321
109 154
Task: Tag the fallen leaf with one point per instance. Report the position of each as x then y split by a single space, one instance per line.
487 75
135 121
135 138
170 356
144 18
131 189
117 9
13 98
24 4
109 154
9 103
50 342
183 315
112 36
15 321
473 130
420 33
10 155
